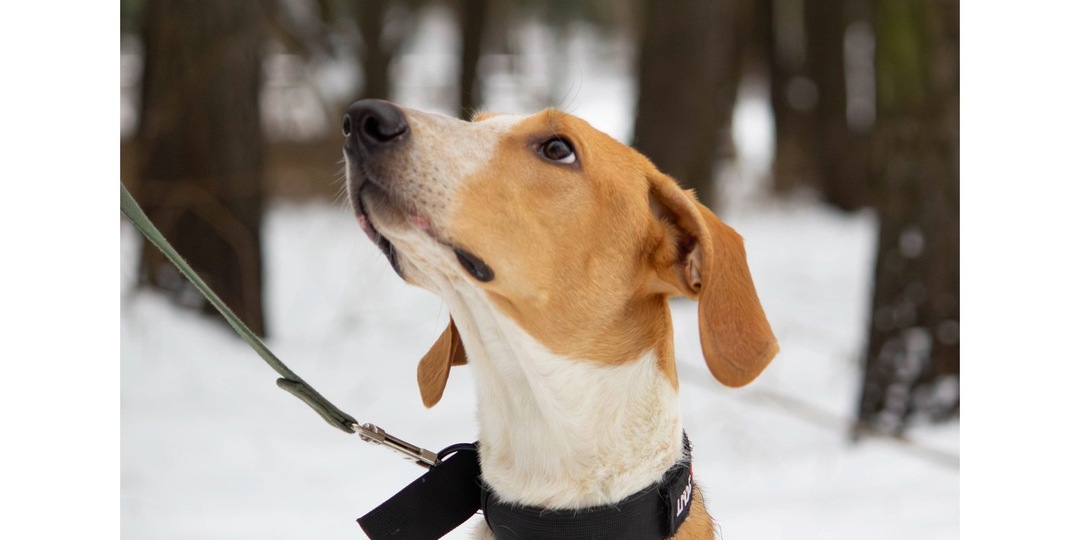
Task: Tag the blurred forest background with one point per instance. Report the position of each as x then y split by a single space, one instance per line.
230 105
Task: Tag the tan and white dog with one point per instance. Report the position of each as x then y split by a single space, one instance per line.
556 249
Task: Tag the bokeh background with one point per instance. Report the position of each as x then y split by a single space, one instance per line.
825 131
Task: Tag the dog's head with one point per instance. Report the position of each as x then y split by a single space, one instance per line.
574 236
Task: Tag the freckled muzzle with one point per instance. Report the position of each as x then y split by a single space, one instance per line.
372 129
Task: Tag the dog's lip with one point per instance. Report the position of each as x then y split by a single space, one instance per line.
365 224
365 180
420 222
473 264
365 221
383 243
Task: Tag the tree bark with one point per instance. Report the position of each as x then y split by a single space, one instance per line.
912 362
201 146
793 94
687 78
473 23
841 154
375 53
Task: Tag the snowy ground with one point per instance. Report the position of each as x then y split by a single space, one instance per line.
212 449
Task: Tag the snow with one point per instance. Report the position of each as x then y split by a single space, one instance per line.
212 449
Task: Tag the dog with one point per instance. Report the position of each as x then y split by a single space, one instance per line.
556 249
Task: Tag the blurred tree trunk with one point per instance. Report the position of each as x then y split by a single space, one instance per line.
687 80
912 363
472 19
842 155
201 146
751 50
375 54
384 26
793 94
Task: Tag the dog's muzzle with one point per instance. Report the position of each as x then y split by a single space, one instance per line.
371 128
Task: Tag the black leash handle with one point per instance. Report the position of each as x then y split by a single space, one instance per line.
434 504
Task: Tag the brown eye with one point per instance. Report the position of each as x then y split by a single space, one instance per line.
558 150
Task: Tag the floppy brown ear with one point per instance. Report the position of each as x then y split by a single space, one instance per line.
434 367
735 335
710 265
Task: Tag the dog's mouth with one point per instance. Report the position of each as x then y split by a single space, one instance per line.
380 199
372 233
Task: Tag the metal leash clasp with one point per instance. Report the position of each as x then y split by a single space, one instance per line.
378 436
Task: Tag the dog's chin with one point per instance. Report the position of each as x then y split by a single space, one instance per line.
370 197
377 212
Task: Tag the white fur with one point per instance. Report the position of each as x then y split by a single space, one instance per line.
563 433
555 432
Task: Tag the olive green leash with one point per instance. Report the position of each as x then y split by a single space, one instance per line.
289 381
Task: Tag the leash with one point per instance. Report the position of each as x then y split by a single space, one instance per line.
289 381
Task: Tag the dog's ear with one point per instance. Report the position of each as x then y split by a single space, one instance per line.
705 260
434 367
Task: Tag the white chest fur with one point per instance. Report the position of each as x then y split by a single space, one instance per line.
564 433
555 432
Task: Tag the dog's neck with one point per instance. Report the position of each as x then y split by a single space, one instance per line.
565 433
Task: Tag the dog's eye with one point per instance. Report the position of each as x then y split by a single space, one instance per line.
558 150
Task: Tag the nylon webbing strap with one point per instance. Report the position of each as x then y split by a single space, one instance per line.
290 382
433 505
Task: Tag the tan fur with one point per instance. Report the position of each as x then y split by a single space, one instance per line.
434 367
571 241
736 338
586 265
699 525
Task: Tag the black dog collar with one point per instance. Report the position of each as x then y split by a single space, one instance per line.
452 491
650 514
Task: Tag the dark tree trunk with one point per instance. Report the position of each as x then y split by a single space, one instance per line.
751 52
793 94
687 79
375 53
473 22
843 156
912 363
201 148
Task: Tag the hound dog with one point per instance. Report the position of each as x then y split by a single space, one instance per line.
556 249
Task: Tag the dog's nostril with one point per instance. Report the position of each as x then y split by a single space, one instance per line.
346 126
381 131
372 128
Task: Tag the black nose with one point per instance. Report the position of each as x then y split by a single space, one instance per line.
374 123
